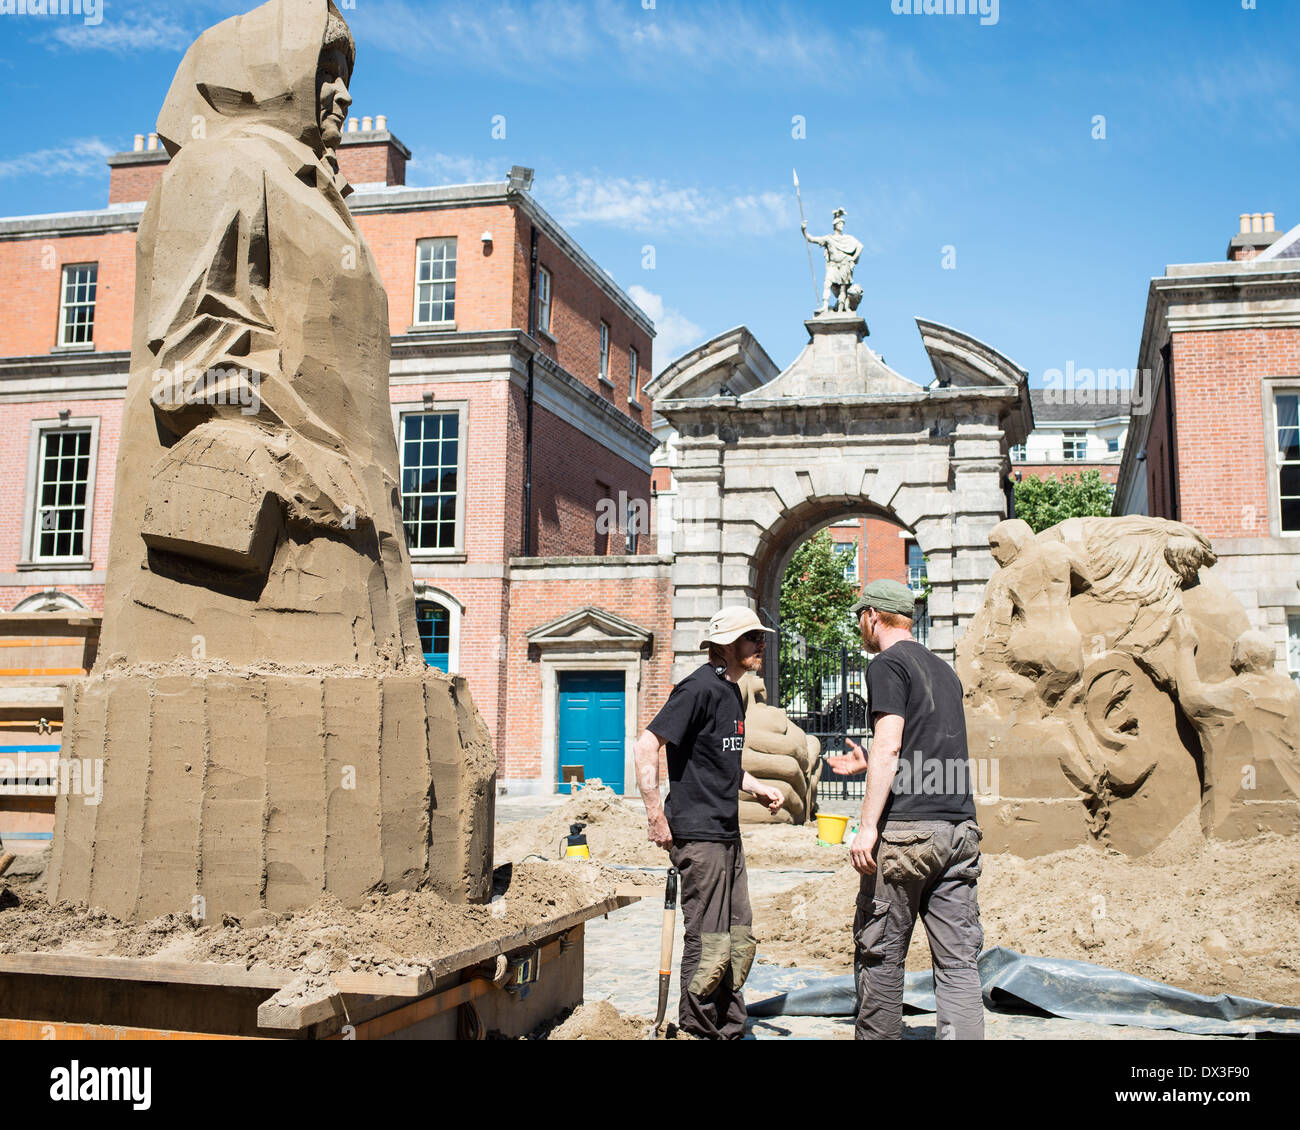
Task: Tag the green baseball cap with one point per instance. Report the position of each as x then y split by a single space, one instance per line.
886 596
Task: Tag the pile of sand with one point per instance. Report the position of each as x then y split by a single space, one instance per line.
387 933
600 1020
1206 915
616 833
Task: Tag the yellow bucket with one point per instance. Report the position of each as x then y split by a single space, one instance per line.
830 828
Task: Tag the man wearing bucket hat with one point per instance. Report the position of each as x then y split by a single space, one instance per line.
703 726
917 847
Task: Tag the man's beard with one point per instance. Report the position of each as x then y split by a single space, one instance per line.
754 662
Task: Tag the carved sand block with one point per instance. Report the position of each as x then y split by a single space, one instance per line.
268 729
1117 685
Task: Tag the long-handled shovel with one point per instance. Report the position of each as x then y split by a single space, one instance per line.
666 949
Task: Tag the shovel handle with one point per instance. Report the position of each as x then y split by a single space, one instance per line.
666 944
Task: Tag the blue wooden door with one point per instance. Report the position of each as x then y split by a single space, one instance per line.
435 633
592 726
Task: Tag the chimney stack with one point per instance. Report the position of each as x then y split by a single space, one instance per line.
372 155
133 175
1258 231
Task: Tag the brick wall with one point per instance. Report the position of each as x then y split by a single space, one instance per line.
567 468
132 184
31 279
1108 471
1220 433
645 600
577 308
15 437
374 162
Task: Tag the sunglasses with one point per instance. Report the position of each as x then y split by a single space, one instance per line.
755 637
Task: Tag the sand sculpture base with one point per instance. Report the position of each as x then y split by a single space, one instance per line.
233 791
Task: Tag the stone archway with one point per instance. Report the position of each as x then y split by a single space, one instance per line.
840 431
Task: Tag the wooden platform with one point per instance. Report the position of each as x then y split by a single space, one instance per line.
68 996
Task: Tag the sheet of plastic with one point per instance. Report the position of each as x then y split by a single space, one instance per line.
1013 982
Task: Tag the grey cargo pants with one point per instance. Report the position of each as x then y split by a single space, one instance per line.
719 944
928 867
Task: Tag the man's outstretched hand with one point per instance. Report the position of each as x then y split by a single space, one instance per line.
848 764
660 835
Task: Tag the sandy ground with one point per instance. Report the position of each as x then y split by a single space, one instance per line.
388 933
1209 916
616 833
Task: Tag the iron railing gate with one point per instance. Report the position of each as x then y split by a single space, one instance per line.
824 691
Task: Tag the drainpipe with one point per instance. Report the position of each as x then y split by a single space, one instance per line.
1167 356
528 395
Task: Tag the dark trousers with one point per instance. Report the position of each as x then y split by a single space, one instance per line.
925 868
719 946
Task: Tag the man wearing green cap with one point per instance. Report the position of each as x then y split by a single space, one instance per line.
917 847
703 727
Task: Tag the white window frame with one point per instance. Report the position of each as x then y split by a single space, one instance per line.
848 550
427 594
31 509
65 306
1019 452
604 353
544 291
420 244
633 376
1069 443
1273 392
400 411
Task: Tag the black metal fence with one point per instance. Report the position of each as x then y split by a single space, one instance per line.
824 691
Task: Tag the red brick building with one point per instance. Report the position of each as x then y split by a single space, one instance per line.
1215 434
518 368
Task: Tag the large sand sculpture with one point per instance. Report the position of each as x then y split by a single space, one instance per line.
268 729
1115 681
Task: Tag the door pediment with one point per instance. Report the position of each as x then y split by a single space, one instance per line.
589 628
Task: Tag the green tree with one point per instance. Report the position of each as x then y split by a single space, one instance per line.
1044 502
816 597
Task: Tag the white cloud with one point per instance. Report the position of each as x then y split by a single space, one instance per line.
643 204
82 158
674 332
621 35
152 31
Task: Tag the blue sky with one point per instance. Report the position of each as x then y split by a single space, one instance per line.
671 126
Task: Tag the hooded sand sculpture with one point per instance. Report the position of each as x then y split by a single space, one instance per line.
268 728
1115 680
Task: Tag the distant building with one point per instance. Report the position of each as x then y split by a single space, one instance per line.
1215 434
1075 430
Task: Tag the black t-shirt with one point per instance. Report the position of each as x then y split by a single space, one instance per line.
933 781
703 723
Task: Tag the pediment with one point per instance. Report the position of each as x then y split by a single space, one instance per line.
961 361
590 628
733 361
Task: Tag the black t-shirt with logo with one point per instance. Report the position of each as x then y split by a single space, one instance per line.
933 780
703 723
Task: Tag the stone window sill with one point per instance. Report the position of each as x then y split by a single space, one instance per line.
432 328
425 557
78 347
68 564
546 335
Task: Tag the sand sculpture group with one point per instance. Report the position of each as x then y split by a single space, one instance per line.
1119 687
779 754
268 728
